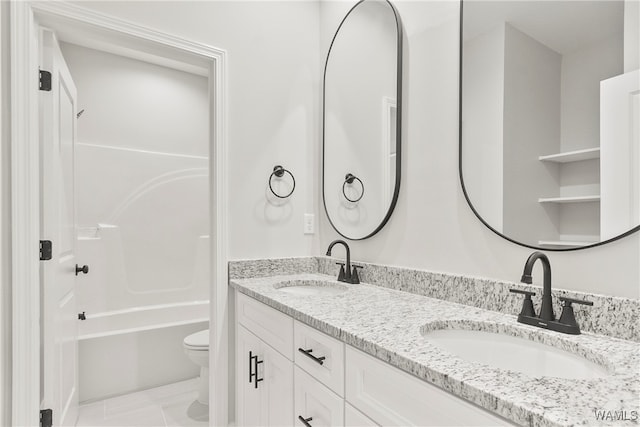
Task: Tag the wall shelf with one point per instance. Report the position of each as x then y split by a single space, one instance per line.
572 156
572 199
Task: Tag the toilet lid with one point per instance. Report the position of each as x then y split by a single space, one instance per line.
199 339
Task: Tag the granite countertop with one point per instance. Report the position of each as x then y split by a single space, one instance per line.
387 324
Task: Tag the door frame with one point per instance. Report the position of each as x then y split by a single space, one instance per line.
25 187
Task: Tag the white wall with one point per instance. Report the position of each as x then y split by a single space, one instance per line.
5 221
531 129
432 226
631 35
133 104
483 123
582 72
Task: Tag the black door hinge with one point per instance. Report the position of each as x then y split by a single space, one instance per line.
46 249
46 418
45 80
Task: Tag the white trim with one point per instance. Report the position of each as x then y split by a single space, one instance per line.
219 296
5 255
25 177
25 221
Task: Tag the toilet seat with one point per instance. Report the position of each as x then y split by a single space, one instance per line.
198 341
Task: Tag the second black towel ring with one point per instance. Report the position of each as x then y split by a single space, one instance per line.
348 179
278 171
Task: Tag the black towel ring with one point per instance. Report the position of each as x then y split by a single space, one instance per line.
278 171
348 179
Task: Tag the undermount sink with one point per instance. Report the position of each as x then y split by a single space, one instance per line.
310 287
503 351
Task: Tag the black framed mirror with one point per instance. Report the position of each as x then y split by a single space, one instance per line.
549 154
362 111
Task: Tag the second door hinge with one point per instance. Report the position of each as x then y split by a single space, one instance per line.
46 250
45 80
46 418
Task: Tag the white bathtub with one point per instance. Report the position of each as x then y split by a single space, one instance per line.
134 349
140 319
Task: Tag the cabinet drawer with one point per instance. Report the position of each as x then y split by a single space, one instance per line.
322 358
391 397
273 327
355 418
315 403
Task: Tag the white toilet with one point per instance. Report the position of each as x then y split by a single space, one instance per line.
196 346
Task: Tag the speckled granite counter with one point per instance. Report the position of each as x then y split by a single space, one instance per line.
387 324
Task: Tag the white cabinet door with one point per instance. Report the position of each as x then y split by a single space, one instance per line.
247 395
316 405
264 383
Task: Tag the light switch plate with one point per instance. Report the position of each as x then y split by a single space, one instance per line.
309 226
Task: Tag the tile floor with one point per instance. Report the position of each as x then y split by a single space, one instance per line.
172 405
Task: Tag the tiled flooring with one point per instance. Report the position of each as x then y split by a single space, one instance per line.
172 405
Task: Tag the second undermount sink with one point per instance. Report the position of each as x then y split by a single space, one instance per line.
503 351
310 287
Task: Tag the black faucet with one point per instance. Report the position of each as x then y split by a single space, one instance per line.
546 309
546 319
346 274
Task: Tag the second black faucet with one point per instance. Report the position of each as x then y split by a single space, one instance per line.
546 319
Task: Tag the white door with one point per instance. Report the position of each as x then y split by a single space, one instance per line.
619 154
59 347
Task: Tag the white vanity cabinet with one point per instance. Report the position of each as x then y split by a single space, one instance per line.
307 378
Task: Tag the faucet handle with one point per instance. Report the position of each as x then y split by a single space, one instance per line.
567 301
355 278
567 316
527 304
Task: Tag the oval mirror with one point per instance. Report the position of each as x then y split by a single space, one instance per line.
361 120
550 120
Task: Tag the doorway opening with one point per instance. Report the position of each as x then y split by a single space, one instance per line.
129 156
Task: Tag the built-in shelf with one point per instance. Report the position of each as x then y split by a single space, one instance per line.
572 156
572 199
564 243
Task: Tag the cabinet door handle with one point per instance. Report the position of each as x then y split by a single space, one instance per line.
305 421
307 353
251 374
254 374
